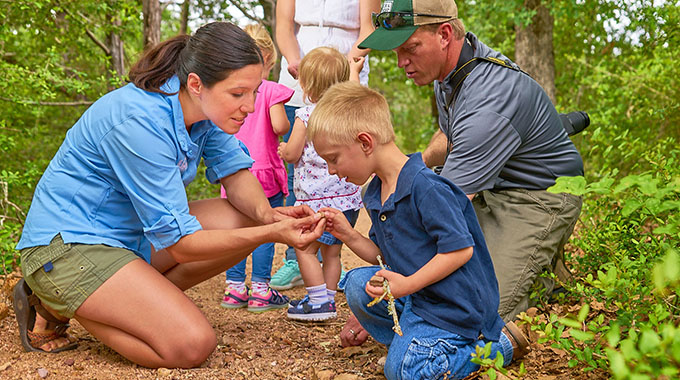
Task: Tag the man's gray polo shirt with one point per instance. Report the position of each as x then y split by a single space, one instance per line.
505 132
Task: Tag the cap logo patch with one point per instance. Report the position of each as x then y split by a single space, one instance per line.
387 6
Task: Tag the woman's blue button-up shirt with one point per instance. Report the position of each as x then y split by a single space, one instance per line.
119 177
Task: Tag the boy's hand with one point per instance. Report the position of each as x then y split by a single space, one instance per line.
399 284
337 224
280 149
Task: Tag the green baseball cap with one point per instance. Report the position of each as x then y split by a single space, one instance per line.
399 19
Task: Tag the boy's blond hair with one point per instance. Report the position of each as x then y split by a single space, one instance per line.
320 69
347 109
264 41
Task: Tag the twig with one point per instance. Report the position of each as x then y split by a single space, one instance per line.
391 308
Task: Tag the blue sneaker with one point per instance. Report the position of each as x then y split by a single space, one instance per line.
288 276
294 303
304 311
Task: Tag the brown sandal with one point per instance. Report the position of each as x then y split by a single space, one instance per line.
26 305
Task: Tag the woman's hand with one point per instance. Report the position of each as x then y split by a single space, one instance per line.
300 232
293 66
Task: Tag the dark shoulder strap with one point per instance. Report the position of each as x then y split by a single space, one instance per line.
467 56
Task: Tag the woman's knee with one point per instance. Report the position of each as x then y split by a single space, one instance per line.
191 349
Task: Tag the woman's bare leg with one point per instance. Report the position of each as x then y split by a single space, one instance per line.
141 311
147 319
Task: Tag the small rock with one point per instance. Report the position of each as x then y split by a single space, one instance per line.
164 372
42 372
69 362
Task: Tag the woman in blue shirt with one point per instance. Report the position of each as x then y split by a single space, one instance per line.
111 239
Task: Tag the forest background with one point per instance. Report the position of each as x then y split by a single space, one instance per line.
617 60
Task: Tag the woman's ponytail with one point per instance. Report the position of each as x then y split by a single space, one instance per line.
158 64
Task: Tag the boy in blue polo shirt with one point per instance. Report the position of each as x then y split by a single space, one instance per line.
426 231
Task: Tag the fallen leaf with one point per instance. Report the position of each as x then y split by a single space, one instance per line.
346 376
5 366
325 375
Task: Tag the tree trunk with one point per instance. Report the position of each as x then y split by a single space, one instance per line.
534 51
269 20
184 18
152 22
115 46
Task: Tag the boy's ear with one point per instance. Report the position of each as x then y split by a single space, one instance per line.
367 142
194 84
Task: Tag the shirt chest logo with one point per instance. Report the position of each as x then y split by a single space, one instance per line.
182 164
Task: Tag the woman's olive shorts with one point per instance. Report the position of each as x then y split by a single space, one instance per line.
64 275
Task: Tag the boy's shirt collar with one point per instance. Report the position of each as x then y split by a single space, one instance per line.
404 185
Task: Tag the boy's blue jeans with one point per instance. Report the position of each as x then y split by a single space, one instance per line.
262 256
424 351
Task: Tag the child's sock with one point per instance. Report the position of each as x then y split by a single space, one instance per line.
317 294
260 287
331 294
239 286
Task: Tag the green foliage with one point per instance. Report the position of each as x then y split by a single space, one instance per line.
411 106
629 266
615 59
493 366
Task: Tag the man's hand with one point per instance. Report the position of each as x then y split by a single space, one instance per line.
352 333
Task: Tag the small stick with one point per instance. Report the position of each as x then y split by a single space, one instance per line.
391 309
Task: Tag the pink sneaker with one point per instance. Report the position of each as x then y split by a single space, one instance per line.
259 302
233 299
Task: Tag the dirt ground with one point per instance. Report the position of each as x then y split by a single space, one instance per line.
250 346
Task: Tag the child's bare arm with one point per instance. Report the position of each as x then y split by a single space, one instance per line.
291 151
337 224
355 66
280 123
440 266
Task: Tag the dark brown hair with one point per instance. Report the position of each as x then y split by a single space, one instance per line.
213 52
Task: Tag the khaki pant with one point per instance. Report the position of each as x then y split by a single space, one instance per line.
526 231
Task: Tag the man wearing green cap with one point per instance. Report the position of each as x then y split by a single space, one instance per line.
500 140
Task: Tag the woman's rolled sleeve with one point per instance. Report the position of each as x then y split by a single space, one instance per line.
171 227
